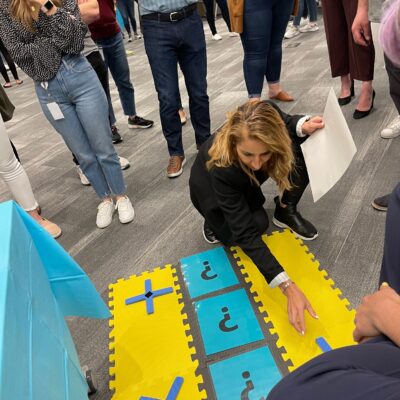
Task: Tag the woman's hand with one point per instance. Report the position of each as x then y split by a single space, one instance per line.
297 304
312 125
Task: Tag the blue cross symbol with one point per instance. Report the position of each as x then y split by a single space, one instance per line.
173 392
148 296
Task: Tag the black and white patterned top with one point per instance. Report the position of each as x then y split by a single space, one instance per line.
39 53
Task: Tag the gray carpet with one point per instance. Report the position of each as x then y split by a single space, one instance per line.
166 226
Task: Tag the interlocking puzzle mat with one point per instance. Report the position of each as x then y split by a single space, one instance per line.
210 327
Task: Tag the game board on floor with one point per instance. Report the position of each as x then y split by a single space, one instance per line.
211 328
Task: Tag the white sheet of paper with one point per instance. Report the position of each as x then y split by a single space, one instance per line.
328 152
55 111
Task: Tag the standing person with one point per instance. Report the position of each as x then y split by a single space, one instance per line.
348 59
312 26
264 24
257 141
210 11
173 34
46 38
370 370
11 65
127 10
107 35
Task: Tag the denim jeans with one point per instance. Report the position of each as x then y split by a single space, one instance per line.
167 44
115 58
85 127
264 24
127 10
312 11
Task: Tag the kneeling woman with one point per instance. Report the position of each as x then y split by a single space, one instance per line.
257 142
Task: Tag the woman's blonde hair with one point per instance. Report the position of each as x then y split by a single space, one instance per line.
25 12
255 120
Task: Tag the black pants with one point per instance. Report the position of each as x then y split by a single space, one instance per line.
127 10
394 82
15 151
209 4
369 371
96 61
10 63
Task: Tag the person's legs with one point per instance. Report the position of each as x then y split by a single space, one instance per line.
193 62
10 61
131 15
209 5
312 10
368 371
257 23
390 270
3 72
161 42
123 9
223 6
297 18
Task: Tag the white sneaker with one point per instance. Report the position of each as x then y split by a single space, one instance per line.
82 176
233 34
217 36
105 212
303 21
125 164
392 130
291 32
138 36
125 209
310 27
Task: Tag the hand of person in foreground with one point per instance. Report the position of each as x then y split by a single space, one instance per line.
361 29
378 314
297 304
312 125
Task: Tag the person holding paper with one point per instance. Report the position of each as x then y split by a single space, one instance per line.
371 370
257 142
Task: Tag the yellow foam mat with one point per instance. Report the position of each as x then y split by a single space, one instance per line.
150 350
335 322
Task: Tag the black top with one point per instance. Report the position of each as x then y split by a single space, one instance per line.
231 191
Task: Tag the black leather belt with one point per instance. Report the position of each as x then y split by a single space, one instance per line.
172 16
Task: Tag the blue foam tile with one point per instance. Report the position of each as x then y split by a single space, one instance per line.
207 272
227 321
249 376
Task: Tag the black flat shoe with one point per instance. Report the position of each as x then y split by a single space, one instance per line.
346 100
361 114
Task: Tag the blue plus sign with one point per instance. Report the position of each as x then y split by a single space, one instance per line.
148 296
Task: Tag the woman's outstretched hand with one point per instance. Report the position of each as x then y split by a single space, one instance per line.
312 125
297 304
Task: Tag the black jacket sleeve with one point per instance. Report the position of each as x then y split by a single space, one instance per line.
227 184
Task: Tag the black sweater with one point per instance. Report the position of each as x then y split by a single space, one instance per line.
231 191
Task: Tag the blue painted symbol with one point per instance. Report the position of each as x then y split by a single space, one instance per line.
223 323
173 392
252 375
206 273
323 344
148 296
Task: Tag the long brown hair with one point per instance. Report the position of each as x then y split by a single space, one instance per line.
24 12
258 120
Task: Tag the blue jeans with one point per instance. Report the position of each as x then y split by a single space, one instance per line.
167 44
264 24
127 10
312 11
85 127
115 58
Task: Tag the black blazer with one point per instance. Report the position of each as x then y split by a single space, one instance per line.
227 199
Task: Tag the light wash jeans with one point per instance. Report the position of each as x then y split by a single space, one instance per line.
85 127
114 55
14 174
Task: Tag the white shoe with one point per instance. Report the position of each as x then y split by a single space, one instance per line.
233 34
217 36
125 164
392 130
82 176
125 209
138 36
310 27
303 21
105 212
291 32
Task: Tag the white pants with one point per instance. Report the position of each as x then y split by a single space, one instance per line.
13 174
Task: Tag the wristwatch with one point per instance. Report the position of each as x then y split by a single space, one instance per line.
46 7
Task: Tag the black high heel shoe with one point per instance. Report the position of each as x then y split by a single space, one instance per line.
361 114
346 100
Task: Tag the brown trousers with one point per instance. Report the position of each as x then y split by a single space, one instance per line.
345 55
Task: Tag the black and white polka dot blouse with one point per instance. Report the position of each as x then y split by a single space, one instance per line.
39 53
